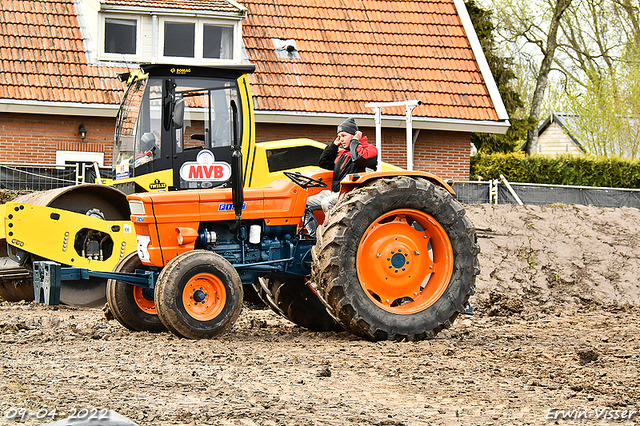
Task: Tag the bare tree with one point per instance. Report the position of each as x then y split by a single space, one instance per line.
599 60
548 51
532 28
607 108
596 37
631 9
592 48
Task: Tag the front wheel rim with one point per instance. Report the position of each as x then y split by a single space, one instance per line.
144 300
204 297
404 261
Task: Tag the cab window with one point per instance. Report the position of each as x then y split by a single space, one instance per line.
208 116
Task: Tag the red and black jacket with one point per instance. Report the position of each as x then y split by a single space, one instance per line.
360 156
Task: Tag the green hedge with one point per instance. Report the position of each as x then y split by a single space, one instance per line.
567 169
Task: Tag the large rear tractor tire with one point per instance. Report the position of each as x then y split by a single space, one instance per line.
295 300
396 259
133 306
198 295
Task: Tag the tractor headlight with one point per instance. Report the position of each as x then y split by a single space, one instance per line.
186 235
136 207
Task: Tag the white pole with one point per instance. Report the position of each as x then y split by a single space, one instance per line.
409 109
378 120
515 196
409 105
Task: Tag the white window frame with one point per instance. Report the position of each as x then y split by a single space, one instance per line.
119 57
80 157
178 20
199 40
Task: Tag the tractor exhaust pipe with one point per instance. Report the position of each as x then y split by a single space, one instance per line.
237 186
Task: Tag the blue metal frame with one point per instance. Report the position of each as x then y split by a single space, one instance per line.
140 278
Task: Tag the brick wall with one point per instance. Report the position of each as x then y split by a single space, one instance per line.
445 154
31 138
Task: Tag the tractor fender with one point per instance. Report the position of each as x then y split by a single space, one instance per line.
325 176
358 179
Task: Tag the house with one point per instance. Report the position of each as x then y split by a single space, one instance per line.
558 135
563 133
317 62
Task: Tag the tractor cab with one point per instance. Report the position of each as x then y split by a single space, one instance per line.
176 126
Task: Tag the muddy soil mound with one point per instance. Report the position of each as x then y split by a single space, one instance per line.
544 257
555 339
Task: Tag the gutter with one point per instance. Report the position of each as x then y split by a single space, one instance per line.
58 108
388 121
279 117
194 13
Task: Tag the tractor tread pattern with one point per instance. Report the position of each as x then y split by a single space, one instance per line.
334 269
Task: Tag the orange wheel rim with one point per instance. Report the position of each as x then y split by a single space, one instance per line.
204 297
144 300
404 261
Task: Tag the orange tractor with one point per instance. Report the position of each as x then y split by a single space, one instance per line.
396 258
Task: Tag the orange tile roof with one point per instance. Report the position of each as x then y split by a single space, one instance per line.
368 50
365 51
43 56
211 5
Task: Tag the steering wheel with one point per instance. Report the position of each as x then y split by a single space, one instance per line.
305 181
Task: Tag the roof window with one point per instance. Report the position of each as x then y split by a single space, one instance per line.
286 49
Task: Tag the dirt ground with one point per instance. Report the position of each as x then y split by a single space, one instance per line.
555 333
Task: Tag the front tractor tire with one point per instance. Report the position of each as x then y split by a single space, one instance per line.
396 259
198 295
132 306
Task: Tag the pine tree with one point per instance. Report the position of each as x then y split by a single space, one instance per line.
503 74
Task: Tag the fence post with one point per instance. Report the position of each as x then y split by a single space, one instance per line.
493 191
506 182
97 170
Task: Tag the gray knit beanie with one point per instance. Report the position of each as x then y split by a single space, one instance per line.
349 126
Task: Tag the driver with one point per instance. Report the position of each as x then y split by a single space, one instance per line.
349 153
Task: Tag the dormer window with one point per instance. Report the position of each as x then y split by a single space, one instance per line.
120 36
166 36
198 39
217 42
179 39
